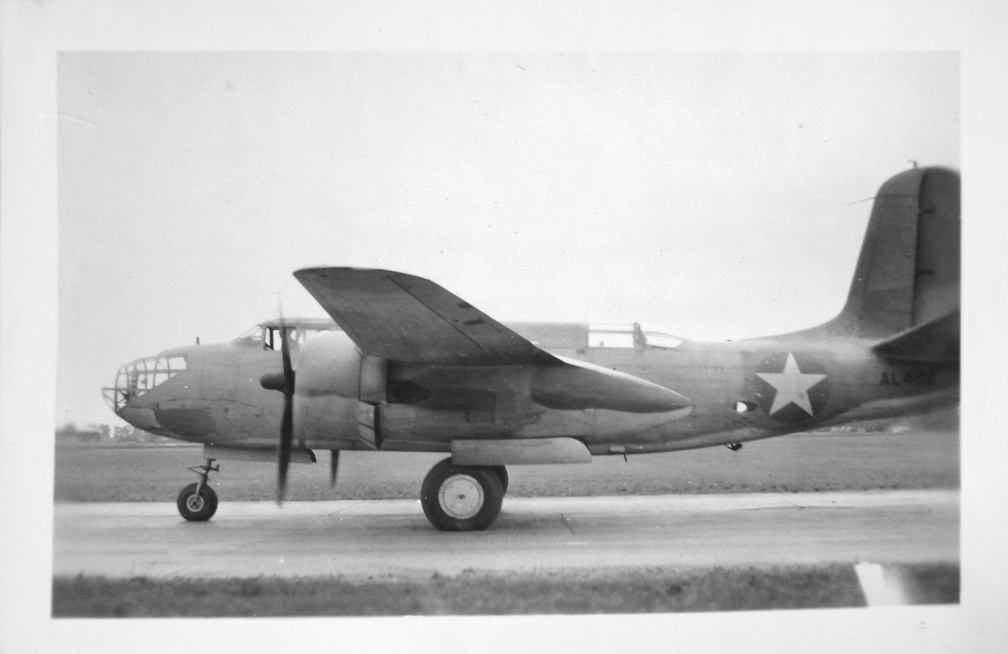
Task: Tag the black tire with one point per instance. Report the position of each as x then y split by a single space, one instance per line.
503 474
197 508
461 498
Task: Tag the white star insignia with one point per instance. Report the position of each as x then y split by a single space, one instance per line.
792 386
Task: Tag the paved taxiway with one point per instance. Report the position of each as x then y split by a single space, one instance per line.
379 537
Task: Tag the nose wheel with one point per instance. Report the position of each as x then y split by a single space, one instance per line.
198 502
462 498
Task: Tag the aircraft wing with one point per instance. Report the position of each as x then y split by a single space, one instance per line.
411 319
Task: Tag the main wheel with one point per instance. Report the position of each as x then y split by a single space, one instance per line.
461 498
503 474
197 507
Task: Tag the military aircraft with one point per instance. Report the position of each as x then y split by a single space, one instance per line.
405 365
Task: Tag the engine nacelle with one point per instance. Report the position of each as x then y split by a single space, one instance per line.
331 365
335 390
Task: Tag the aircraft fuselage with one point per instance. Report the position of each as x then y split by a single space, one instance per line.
739 391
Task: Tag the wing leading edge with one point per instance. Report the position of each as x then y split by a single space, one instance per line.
411 319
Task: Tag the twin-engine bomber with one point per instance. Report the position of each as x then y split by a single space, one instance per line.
408 366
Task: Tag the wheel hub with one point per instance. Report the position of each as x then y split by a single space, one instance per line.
461 496
194 503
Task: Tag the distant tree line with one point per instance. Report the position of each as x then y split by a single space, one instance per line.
942 419
71 433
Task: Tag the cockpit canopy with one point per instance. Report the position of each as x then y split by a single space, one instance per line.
549 336
266 335
629 335
579 336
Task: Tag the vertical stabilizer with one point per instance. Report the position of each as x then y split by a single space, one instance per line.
908 270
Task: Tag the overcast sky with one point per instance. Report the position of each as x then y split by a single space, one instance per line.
713 195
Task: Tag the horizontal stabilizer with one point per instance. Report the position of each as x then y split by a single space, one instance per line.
936 341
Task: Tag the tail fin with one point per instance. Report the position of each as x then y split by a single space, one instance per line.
908 271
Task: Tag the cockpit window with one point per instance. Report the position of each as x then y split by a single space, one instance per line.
267 335
254 335
296 336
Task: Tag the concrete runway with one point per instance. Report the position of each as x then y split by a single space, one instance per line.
382 537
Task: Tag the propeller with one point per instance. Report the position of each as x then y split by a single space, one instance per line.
283 382
287 422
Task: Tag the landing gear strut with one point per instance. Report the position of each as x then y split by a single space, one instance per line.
198 502
463 498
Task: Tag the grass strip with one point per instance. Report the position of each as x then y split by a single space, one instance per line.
650 590
798 463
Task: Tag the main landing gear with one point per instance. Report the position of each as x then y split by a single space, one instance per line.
454 497
198 502
463 498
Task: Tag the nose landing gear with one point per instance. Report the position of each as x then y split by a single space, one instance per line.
198 502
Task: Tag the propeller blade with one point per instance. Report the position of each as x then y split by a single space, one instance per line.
288 369
284 449
333 467
287 422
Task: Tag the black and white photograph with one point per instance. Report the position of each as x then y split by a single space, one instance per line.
526 342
